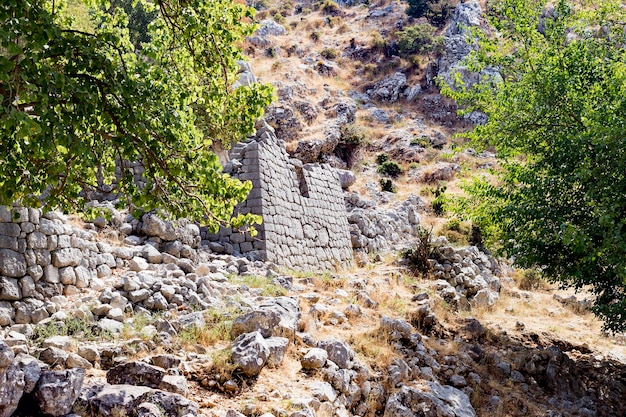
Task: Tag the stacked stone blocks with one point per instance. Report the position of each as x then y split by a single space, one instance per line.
305 223
42 256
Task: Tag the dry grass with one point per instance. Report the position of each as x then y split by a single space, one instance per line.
373 348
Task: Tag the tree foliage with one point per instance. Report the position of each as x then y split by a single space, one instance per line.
436 11
74 104
557 121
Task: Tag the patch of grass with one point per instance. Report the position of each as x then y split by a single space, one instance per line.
217 328
530 279
329 53
329 281
269 289
457 231
422 141
133 327
374 348
77 328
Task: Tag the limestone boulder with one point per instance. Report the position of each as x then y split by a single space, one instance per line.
389 89
136 373
338 351
315 358
104 400
250 353
12 381
432 399
12 263
277 316
152 225
56 391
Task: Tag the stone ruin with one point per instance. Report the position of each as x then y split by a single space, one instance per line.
305 225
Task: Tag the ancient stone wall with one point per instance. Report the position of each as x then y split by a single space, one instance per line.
43 256
305 223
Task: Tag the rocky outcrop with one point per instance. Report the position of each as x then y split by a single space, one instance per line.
104 400
466 277
458 46
378 230
430 399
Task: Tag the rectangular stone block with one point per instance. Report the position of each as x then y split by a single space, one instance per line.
10 229
9 289
8 242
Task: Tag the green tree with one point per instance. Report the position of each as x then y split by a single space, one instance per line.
73 104
418 39
436 11
138 20
557 120
417 8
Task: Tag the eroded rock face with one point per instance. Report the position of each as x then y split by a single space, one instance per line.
104 400
338 352
466 16
276 316
56 391
11 381
136 373
250 353
431 400
389 89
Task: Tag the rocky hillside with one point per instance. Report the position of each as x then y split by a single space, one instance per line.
143 317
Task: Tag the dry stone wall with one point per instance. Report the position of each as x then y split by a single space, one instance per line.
43 256
305 223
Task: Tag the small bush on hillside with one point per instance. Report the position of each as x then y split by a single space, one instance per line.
390 168
330 7
438 204
351 141
436 11
381 158
457 232
422 141
417 39
530 279
278 18
271 52
386 184
417 257
378 43
329 53
315 36
417 8
439 12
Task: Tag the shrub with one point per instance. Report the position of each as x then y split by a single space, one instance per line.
271 52
292 50
417 257
386 184
330 7
417 8
436 11
390 168
439 12
315 36
350 142
438 204
278 18
381 158
417 39
378 43
530 279
329 53
457 232
422 141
